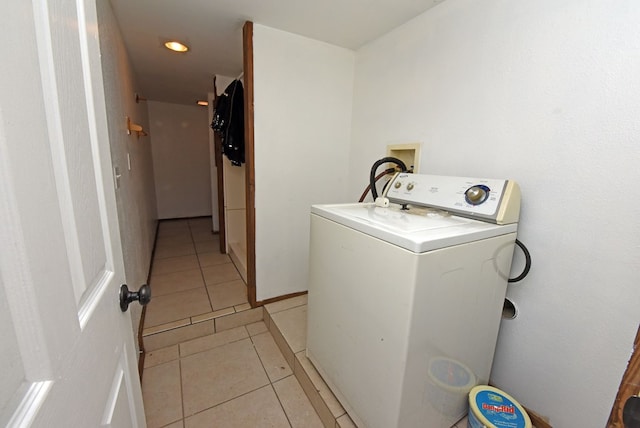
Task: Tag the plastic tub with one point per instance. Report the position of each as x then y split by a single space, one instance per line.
490 407
450 382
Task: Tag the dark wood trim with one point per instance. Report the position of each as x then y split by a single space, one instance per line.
142 352
247 49
628 385
537 420
217 147
277 299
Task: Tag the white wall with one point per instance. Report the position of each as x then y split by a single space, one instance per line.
302 100
546 93
180 146
136 197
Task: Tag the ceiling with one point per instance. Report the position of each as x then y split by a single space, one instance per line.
213 31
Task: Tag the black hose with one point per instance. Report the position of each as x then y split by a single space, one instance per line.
374 168
527 264
378 177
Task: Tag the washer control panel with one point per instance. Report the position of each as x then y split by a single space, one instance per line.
493 200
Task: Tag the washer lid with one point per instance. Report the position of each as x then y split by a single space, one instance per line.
418 229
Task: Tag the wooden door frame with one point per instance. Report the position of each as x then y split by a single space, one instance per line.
247 62
628 385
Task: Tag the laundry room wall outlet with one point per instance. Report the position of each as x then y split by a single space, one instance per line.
407 153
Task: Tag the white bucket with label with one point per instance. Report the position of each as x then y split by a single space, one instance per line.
490 407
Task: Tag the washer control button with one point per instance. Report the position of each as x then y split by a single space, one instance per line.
475 195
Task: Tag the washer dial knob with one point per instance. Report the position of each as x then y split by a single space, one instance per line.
475 195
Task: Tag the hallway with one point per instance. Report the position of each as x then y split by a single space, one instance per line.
210 359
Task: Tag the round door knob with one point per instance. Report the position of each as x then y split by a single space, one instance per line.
143 296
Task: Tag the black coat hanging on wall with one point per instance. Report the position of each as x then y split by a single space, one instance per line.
228 122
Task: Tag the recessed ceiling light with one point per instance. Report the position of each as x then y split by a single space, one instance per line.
176 46
203 103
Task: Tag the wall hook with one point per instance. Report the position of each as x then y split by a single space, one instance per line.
134 127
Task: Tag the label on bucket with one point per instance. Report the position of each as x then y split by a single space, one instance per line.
497 409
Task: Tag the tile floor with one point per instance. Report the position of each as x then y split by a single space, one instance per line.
211 361
191 282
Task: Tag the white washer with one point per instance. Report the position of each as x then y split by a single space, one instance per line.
405 305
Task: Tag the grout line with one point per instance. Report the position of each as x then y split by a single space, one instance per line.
281 405
253 345
180 356
181 387
206 289
226 401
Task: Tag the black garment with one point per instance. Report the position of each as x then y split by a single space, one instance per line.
228 122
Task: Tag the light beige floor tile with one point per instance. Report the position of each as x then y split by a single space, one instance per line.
304 366
207 246
166 327
257 409
213 259
201 222
204 235
282 345
179 249
161 394
167 228
176 306
292 323
281 305
266 318
173 239
296 405
345 421
174 236
272 359
173 282
172 337
175 264
220 273
227 294
212 315
242 307
256 328
238 319
166 231
321 408
209 342
161 356
179 424
220 374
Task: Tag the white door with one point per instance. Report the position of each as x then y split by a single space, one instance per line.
66 349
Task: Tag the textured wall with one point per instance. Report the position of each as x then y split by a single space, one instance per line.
546 93
136 196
